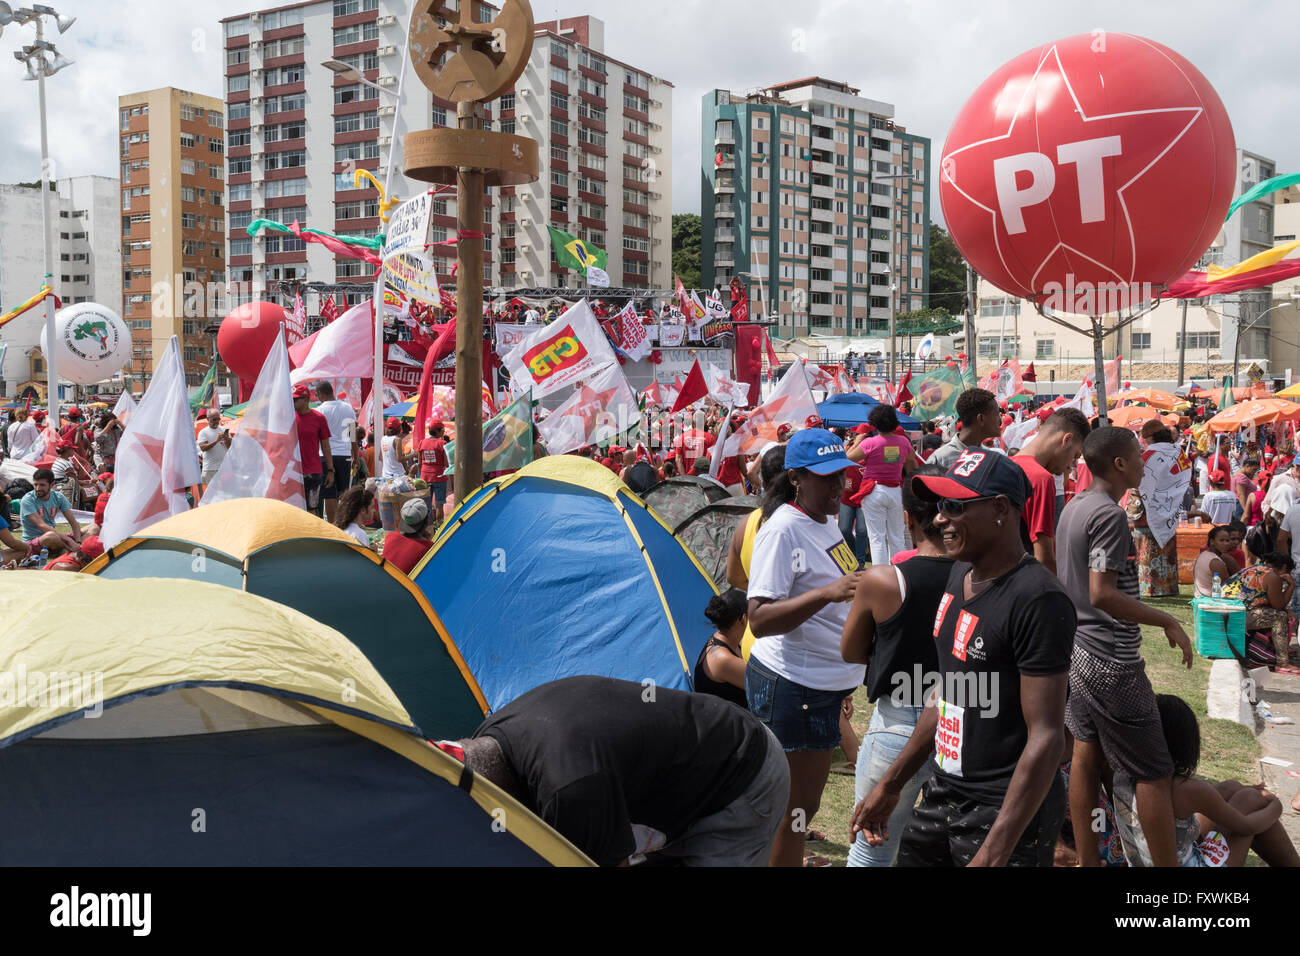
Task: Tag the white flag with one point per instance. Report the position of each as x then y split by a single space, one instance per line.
1164 482
343 349
597 277
723 388
124 408
569 350
599 411
264 459
791 403
716 456
157 458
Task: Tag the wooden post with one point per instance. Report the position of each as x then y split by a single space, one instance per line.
469 317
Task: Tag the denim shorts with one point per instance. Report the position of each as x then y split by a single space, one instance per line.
802 718
439 492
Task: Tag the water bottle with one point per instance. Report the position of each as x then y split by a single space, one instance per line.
45 556
1217 589
1182 516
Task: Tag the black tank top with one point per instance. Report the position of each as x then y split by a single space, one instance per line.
704 684
906 640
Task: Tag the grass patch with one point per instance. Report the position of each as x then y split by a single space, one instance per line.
1228 750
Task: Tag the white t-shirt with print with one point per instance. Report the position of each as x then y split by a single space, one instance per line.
1219 505
794 554
339 416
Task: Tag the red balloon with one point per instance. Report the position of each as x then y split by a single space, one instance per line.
1086 166
246 336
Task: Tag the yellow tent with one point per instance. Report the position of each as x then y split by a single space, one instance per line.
170 722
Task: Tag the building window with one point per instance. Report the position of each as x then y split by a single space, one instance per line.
240 164
239 137
1197 340
241 247
1045 349
1140 341
187 139
237 84
352 94
237 28
287 160
237 111
559 102
356 33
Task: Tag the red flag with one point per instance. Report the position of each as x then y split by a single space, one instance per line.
692 390
442 346
771 352
902 395
683 298
329 309
1030 375
28 405
739 301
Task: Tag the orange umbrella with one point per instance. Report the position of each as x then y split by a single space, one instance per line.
1150 396
1258 412
1134 416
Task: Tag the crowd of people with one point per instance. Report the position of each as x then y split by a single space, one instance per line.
988 598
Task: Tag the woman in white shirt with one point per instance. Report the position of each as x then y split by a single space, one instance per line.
802 577
395 462
357 504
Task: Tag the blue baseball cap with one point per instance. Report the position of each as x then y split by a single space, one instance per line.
818 450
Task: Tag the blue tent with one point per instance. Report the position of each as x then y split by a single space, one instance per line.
852 408
559 570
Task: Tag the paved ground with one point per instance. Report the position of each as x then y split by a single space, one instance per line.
1282 693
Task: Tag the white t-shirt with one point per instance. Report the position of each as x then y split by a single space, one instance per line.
359 533
390 445
794 554
1291 525
1281 495
22 436
62 467
339 415
1218 505
214 456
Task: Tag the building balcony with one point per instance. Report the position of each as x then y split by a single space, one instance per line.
882 156
820 308
823 169
724 185
821 262
727 163
724 211
724 260
823 142
724 138
881 245
880 222
823 192
724 235
880 268
821 285
880 314
822 215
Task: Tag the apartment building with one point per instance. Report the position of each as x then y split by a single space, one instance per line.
87 258
822 198
172 146
604 134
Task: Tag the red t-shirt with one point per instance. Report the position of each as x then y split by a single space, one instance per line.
1040 509
101 503
312 427
404 552
433 459
729 473
852 482
64 560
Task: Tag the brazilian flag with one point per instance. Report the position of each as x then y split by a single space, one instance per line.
207 391
936 393
507 438
574 253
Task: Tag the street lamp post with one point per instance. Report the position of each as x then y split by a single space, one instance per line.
43 60
1236 344
893 286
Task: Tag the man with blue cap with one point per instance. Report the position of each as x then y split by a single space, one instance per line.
802 577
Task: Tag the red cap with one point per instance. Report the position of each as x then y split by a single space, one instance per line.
813 421
977 473
74 411
393 424
863 429
435 424
38 414
1217 477
105 476
65 446
92 547
301 391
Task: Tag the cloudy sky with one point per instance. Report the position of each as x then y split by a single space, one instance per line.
924 56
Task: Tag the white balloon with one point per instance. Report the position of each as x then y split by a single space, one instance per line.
92 341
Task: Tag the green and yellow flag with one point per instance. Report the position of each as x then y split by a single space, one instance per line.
207 391
574 253
507 438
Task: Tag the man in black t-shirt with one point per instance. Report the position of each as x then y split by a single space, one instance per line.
624 769
1003 633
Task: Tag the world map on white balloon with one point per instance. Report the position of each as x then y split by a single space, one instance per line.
91 343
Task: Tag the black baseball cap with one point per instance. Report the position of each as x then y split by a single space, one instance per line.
977 473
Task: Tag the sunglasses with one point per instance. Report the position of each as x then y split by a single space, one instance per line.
956 507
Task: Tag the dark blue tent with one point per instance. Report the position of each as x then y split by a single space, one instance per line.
852 408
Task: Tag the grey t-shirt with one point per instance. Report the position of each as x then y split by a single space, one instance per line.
950 450
1093 534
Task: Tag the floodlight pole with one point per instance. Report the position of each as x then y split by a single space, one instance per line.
47 231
